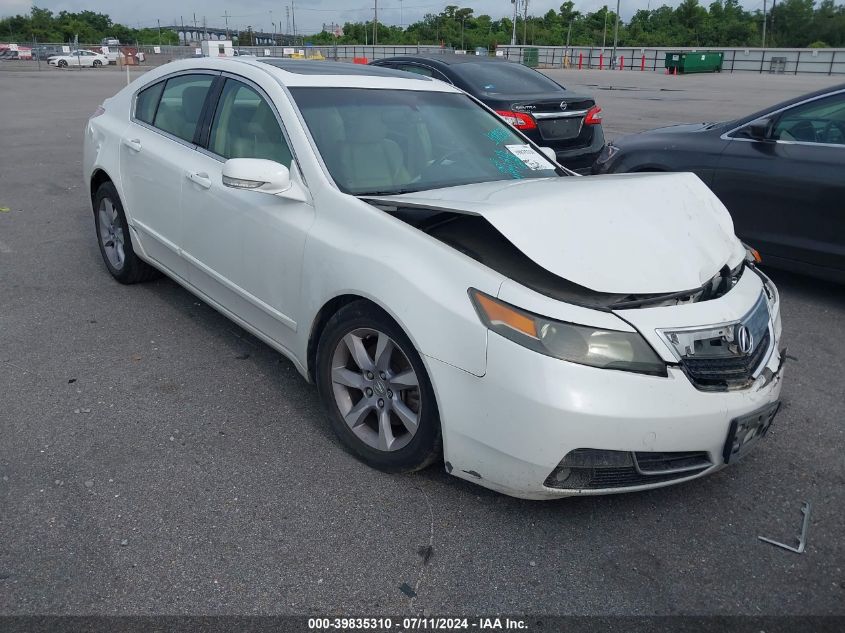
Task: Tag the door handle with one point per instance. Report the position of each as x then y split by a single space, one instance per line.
200 178
133 143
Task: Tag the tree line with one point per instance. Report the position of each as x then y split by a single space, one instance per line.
791 23
90 27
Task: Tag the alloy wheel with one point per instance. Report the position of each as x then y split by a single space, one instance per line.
111 234
376 389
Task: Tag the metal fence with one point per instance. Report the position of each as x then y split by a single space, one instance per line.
790 61
151 56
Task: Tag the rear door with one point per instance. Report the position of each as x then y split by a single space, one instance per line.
787 194
154 149
244 248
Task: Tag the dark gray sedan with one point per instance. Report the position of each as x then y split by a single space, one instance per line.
780 172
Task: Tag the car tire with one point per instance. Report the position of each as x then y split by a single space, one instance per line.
97 63
115 240
388 420
62 63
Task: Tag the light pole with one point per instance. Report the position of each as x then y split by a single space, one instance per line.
463 19
524 22
604 35
513 34
615 33
375 22
764 23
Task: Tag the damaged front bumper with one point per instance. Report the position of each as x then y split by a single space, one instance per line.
541 428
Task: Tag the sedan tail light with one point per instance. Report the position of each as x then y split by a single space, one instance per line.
593 116
100 110
519 120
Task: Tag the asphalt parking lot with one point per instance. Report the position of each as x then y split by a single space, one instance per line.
155 458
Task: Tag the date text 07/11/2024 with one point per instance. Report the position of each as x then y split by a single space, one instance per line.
417 624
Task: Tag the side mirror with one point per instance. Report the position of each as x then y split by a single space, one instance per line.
259 174
761 129
549 153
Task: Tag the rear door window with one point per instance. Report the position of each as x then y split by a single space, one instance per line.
181 105
147 101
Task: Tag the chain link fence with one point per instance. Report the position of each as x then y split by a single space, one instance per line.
151 56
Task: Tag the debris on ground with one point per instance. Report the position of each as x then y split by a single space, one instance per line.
802 537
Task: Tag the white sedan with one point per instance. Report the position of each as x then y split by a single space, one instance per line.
79 58
451 291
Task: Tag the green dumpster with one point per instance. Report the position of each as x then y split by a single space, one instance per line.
708 62
531 57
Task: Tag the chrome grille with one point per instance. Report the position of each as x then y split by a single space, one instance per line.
726 373
713 358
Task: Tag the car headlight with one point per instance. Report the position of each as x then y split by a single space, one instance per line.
606 349
752 255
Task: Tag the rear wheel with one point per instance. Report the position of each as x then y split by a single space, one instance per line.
376 390
97 63
115 241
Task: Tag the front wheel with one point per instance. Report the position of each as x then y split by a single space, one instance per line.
62 63
376 390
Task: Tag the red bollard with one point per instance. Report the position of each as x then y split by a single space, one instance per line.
642 63
621 62
601 61
580 60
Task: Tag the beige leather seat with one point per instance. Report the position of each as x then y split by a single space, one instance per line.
182 121
261 137
368 160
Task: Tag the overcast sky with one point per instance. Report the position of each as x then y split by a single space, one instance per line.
310 14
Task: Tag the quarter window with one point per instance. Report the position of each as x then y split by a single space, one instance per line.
423 70
419 70
245 126
181 105
146 102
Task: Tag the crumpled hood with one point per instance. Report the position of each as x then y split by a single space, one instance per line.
626 234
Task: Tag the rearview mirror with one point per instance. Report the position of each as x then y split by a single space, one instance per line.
761 129
259 174
549 153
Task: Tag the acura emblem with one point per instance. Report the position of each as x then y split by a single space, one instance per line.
563 105
744 339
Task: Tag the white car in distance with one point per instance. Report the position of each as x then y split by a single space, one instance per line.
79 58
451 291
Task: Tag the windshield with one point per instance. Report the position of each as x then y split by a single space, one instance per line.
504 78
382 142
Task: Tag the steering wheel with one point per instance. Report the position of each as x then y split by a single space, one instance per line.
826 133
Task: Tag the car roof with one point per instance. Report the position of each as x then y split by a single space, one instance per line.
314 67
447 59
313 73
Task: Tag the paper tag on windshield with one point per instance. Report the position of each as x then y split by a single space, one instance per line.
530 157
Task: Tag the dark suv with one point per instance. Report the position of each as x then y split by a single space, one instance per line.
546 112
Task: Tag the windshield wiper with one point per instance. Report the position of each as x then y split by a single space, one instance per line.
393 192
